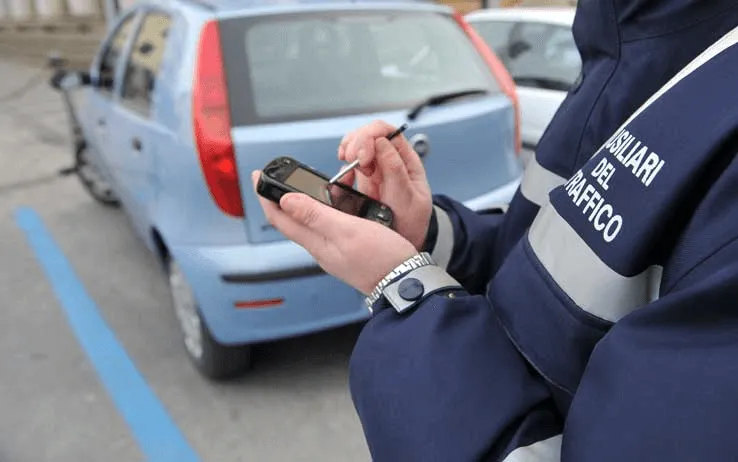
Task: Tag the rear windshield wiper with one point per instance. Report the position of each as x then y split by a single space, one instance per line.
442 98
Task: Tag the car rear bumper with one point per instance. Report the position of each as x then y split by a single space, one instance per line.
249 295
255 293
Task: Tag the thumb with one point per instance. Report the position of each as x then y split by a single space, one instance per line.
311 213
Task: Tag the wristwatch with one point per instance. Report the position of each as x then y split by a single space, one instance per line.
411 282
414 262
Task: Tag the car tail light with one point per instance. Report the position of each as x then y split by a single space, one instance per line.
504 80
212 124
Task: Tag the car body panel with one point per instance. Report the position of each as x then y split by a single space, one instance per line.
311 303
562 16
164 193
538 106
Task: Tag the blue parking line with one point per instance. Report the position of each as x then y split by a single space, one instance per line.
153 429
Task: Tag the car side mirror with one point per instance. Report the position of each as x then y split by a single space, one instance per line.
63 77
68 80
56 61
518 48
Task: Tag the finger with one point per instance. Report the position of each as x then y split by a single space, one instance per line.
361 143
390 163
342 146
411 158
349 178
361 183
292 229
368 187
255 175
321 219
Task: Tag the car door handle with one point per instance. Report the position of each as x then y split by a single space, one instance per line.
136 143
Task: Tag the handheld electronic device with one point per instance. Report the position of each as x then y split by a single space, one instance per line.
284 174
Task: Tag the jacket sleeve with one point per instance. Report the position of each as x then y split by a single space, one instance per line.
662 384
464 242
444 383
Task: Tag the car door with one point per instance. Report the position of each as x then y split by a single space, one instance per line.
137 135
544 63
105 78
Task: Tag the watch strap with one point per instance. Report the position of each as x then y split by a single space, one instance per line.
412 288
416 261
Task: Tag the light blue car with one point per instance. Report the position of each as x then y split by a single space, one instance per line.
186 98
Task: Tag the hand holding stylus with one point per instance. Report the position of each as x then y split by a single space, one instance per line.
355 163
390 171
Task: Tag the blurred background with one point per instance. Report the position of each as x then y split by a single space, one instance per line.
30 29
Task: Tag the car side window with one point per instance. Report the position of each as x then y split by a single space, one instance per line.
112 54
497 36
543 56
142 68
562 55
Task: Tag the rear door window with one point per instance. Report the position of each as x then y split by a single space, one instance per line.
112 54
313 65
142 68
496 34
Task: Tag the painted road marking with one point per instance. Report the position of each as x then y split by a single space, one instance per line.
156 434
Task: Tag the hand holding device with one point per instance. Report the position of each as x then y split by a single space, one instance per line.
284 174
392 172
357 251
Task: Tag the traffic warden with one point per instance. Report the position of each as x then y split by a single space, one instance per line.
595 320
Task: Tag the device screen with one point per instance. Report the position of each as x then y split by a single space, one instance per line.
338 196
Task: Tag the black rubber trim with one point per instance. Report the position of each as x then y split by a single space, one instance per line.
527 145
235 278
432 234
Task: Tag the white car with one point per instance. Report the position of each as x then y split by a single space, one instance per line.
537 47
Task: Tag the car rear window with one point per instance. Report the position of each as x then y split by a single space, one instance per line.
312 65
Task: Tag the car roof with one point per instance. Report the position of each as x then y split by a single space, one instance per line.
554 15
230 6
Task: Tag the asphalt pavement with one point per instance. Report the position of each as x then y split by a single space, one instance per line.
54 404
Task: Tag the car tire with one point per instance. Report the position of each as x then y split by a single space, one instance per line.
212 359
93 182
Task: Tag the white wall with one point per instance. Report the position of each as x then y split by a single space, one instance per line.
20 9
48 8
82 7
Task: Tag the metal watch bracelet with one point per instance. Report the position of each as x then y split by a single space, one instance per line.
412 263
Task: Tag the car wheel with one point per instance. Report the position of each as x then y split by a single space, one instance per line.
91 179
212 360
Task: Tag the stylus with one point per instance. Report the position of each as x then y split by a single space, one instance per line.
355 163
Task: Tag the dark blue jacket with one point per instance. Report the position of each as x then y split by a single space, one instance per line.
604 326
